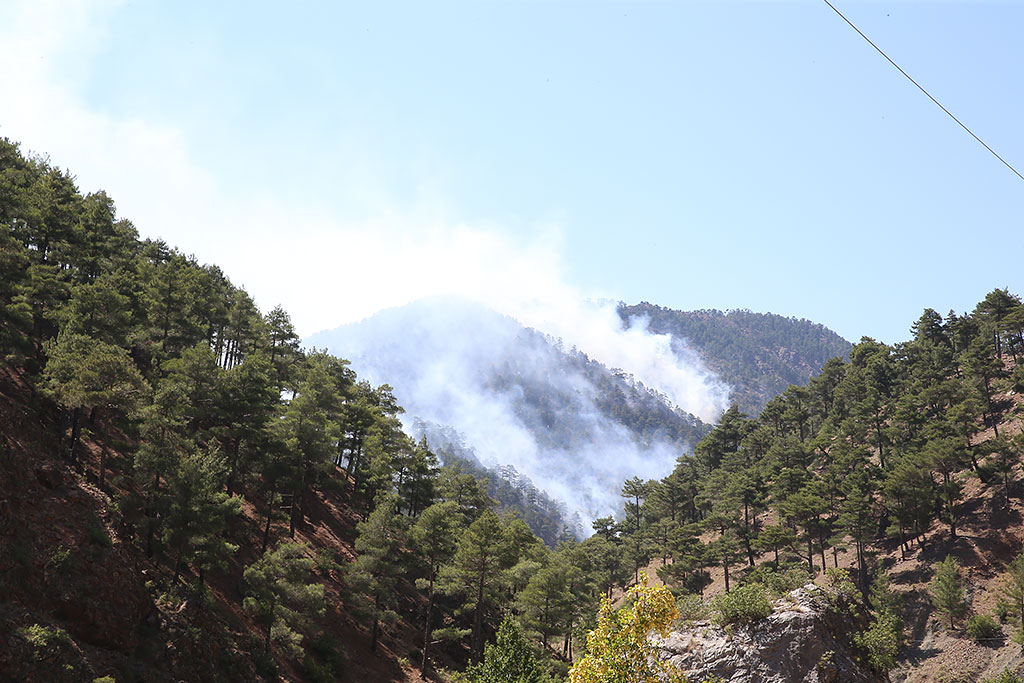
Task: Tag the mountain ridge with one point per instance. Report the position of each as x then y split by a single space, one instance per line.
759 355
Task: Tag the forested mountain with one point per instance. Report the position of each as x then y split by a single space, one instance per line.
757 354
519 398
187 494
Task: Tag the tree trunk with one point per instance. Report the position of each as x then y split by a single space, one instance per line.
426 628
375 634
103 463
476 650
177 561
746 534
270 514
76 429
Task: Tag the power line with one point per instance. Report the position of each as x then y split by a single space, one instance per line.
919 87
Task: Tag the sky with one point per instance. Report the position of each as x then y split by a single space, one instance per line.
345 157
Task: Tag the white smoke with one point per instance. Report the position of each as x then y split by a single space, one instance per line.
440 355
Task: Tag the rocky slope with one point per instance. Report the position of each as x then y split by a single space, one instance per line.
802 640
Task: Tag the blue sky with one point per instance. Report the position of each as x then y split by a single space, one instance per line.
339 158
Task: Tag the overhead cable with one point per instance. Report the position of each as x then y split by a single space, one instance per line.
919 87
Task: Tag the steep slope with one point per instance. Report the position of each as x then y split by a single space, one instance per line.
80 600
519 398
758 354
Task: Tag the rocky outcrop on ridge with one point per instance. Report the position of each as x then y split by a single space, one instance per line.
801 641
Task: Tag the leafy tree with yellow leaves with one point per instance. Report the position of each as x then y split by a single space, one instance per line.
618 650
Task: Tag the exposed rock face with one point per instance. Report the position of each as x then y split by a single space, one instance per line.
800 641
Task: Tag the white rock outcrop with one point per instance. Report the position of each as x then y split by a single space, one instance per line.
801 641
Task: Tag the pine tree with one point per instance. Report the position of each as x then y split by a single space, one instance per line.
477 570
85 373
947 590
434 536
1013 589
198 511
374 574
281 596
546 601
635 491
508 660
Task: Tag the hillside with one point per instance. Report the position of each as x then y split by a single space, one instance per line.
516 397
80 599
188 494
757 354
883 466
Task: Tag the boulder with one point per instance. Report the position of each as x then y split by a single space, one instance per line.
802 640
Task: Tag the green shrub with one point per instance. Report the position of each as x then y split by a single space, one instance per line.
745 604
841 590
329 652
692 608
327 561
1004 610
98 533
780 581
44 639
60 560
1006 676
982 627
881 641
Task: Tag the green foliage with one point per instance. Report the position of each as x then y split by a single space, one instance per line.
83 372
199 510
374 574
97 533
745 348
1012 598
44 640
513 493
92 317
692 608
508 660
1006 676
331 664
778 582
747 603
486 551
619 651
1003 610
982 627
841 591
326 561
282 597
948 591
60 560
882 641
